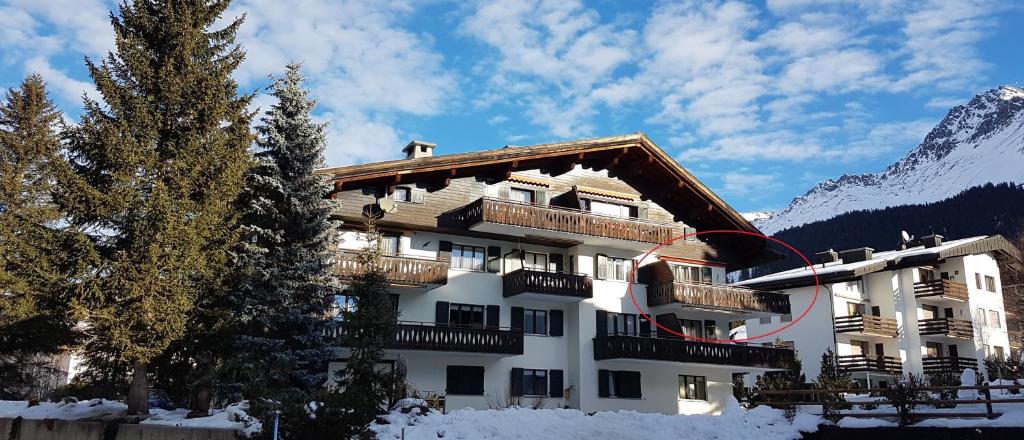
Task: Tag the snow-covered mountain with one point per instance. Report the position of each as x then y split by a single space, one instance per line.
976 143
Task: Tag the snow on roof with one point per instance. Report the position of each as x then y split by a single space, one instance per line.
839 266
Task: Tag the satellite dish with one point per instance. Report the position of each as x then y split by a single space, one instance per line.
387 205
905 235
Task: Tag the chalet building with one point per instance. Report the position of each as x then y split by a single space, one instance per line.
933 306
510 269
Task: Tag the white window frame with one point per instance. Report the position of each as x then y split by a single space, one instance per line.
457 261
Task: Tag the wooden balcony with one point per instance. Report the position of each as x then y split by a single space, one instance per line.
1015 339
570 221
447 338
946 364
867 325
953 328
557 285
687 351
856 363
944 289
401 270
717 297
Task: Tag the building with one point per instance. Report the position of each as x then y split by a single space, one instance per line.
510 269
933 306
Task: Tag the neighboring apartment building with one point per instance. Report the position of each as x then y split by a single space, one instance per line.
933 306
510 269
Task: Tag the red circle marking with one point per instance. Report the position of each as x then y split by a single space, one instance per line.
632 279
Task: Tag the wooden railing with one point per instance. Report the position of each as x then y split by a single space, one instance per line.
549 283
861 362
717 296
948 289
447 337
954 328
1016 338
955 365
867 324
400 270
682 350
574 221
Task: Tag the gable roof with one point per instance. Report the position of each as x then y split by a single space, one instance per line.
633 158
888 260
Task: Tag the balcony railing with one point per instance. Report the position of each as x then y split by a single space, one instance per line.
447 338
855 363
400 270
565 285
947 289
1016 338
719 297
573 221
867 324
954 328
946 364
682 350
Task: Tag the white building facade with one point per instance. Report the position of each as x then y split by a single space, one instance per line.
516 289
933 307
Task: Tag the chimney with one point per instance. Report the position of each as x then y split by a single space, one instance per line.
856 254
418 149
931 240
829 256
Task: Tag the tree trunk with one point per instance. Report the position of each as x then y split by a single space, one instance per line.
138 391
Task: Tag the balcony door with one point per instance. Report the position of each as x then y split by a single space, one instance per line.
859 348
929 312
535 261
954 351
854 309
932 349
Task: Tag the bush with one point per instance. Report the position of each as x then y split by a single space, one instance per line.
904 395
1003 368
945 379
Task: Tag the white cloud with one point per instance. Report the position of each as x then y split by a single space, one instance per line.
753 185
945 102
60 84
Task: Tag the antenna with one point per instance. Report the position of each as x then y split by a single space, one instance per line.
906 236
387 205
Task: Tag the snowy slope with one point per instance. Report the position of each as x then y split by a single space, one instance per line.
976 143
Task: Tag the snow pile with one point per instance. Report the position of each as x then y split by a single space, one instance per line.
232 417
69 409
558 424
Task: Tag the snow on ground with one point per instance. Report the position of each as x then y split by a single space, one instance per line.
232 417
760 423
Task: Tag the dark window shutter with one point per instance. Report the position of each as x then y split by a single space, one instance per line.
556 260
645 327
417 195
494 259
444 250
670 322
555 386
516 382
555 327
602 383
602 323
601 269
541 197
441 312
453 383
493 316
475 379
630 381
517 318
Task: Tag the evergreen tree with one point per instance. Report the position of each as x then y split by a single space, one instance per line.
157 168
284 287
39 259
831 377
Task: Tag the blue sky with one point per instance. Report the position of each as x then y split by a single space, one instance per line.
761 100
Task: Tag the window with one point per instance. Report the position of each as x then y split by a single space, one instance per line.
535 322
710 330
925 274
402 194
929 311
977 280
998 351
535 382
990 283
535 261
343 304
980 316
612 268
609 209
692 327
465 380
465 314
786 318
695 274
859 348
932 349
693 387
993 319
622 324
765 320
622 384
853 309
467 257
390 244
521 195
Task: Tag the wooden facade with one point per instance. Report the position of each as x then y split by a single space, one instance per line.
945 289
867 325
856 363
948 364
682 350
953 328
448 338
663 288
565 285
400 270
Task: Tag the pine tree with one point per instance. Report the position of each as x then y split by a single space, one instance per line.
368 328
284 289
157 168
39 258
831 377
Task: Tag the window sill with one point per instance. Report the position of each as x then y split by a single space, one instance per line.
622 398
